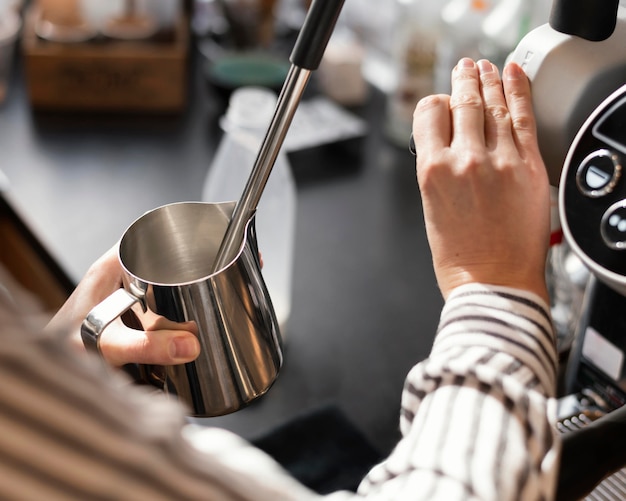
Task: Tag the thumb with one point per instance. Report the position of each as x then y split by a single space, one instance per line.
121 345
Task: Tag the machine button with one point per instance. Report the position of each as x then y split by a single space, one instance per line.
613 226
598 174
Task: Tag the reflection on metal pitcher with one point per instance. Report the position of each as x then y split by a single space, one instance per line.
167 256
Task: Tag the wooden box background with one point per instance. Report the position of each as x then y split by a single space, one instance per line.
107 75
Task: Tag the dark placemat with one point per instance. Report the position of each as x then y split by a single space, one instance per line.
322 449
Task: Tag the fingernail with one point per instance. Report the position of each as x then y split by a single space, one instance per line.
513 72
184 348
485 66
466 62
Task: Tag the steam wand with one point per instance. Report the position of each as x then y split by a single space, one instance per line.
306 56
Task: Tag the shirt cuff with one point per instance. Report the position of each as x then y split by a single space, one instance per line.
503 319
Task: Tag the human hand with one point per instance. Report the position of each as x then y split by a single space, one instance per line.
161 343
484 186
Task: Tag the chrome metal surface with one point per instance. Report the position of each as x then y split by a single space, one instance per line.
99 319
167 255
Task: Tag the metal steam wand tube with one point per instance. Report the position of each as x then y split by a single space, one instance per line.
305 57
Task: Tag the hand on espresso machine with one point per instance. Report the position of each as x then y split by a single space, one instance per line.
483 183
161 343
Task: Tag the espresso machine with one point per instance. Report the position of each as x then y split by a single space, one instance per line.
577 67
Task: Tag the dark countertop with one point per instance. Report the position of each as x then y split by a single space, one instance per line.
365 303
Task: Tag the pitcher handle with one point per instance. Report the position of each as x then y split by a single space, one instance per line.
103 314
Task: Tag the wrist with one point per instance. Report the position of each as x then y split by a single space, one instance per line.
533 283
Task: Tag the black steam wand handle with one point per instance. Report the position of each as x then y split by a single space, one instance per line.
315 32
593 20
307 54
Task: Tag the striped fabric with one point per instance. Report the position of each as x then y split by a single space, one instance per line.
477 416
476 419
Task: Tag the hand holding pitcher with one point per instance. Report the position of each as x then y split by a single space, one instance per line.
157 342
166 259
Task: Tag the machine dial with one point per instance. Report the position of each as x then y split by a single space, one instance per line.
598 173
613 226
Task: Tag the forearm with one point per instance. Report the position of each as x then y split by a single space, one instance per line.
477 415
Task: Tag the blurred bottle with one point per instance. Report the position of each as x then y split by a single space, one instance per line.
290 15
566 278
417 34
209 25
340 74
245 123
167 12
251 23
462 22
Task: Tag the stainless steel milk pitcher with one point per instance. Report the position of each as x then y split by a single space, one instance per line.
167 256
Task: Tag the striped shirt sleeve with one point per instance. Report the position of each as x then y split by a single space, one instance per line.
72 429
477 416
476 420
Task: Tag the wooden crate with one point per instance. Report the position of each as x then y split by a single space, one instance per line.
107 75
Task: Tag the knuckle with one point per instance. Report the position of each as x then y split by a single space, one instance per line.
429 103
472 162
465 100
429 168
497 112
491 80
469 163
523 123
463 74
505 167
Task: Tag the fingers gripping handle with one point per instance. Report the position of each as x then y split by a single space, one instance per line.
102 315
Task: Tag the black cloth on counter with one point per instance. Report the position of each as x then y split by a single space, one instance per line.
322 449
